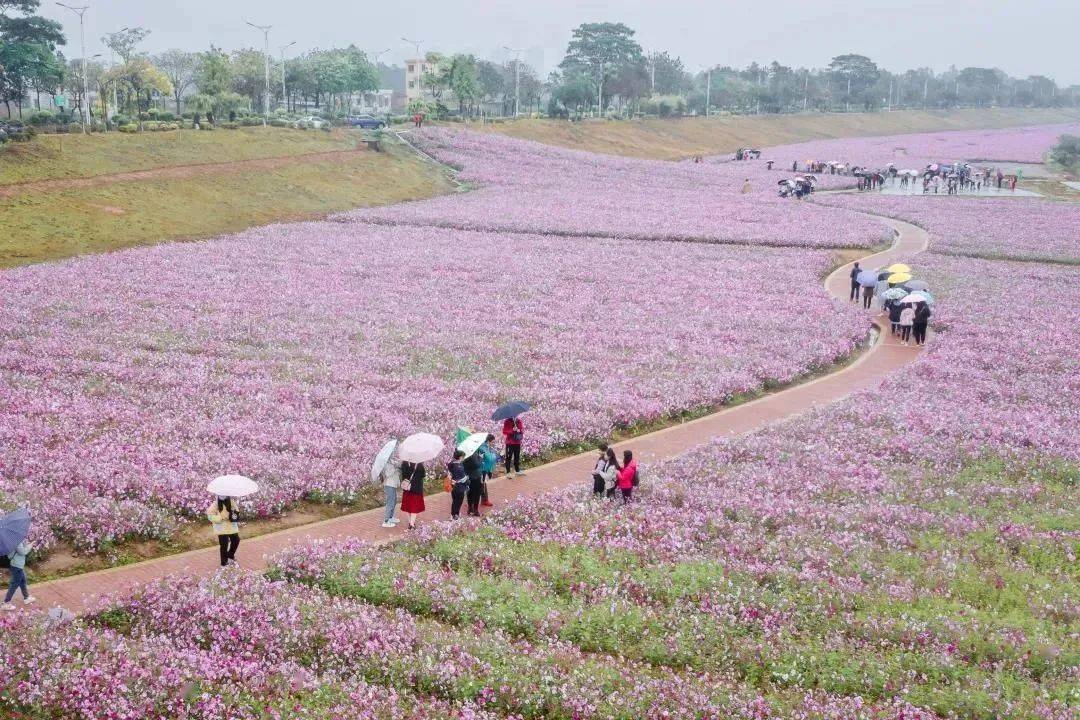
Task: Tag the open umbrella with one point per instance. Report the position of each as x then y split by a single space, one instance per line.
897 278
382 458
894 293
898 268
232 486
917 297
420 447
510 410
472 443
461 433
918 285
14 528
867 278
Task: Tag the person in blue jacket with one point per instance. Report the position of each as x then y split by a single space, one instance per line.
489 460
17 559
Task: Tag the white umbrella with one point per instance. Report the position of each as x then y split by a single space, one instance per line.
232 486
382 458
917 297
472 443
420 447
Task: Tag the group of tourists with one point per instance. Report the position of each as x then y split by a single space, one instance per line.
905 301
747 154
610 477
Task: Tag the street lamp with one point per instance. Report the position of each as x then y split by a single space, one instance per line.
83 109
266 54
283 48
517 77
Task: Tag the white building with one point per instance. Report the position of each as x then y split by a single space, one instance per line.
415 70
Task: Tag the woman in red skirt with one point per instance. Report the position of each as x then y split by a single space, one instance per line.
412 495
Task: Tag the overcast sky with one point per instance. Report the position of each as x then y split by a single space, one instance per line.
1022 37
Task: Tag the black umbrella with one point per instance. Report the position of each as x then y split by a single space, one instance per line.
510 410
14 527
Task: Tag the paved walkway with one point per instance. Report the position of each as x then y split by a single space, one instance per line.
881 359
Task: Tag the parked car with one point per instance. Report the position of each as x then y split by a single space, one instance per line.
314 121
367 122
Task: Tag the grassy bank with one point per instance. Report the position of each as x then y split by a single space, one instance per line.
681 138
55 224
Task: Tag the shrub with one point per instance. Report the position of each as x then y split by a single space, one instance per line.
166 116
74 127
251 121
327 127
207 126
119 119
41 117
229 125
1067 153
129 128
280 122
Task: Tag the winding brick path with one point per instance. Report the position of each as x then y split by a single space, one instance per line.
881 359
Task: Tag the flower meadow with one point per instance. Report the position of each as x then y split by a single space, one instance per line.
290 354
526 187
916 150
1018 229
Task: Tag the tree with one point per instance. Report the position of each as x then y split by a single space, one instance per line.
463 81
494 81
668 73
856 74
124 42
601 51
28 57
137 80
1067 153
179 66
213 75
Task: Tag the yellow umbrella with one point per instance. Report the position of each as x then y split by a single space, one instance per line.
898 268
897 278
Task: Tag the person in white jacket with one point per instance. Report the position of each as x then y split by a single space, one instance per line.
391 483
907 319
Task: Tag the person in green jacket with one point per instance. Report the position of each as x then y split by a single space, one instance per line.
18 575
489 459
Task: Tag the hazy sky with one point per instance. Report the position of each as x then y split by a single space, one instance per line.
1022 37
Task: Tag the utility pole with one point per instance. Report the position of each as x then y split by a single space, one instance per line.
600 91
284 97
925 89
517 78
266 44
708 90
889 106
806 91
847 98
84 103
652 73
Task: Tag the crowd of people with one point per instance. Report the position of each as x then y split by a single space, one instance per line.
908 310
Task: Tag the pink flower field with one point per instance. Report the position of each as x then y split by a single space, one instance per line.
290 353
1018 229
531 188
1015 145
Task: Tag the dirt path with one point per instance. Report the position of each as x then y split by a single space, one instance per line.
880 360
174 172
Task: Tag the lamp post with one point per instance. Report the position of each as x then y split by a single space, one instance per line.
266 55
517 78
708 90
83 107
284 97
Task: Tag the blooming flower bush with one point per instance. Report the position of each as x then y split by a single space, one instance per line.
531 188
290 354
916 150
1013 229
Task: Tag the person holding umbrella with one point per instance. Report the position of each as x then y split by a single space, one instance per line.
459 483
413 452
907 319
387 471
14 527
920 321
855 270
513 431
224 512
488 460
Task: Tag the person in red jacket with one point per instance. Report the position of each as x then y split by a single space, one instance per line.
513 433
627 476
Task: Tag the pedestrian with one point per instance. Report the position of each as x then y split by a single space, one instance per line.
794 166
459 483
855 270
628 479
907 317
475 476
17 564
867 296
611 474
894 315
412 490
599 471
1012 183
746 186
391 483
488 460
513 434
1000 176
224 514
919 323
880 288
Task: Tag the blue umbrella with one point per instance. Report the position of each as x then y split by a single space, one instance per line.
14 528
867 278
510 410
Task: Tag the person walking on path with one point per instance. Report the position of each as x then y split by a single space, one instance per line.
391 483
907 318
895 308
879 290
867 296
412 491
919 323
513 434
488 460
475 477
855 270
599 473
627 477
459 483
17 562
224 514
